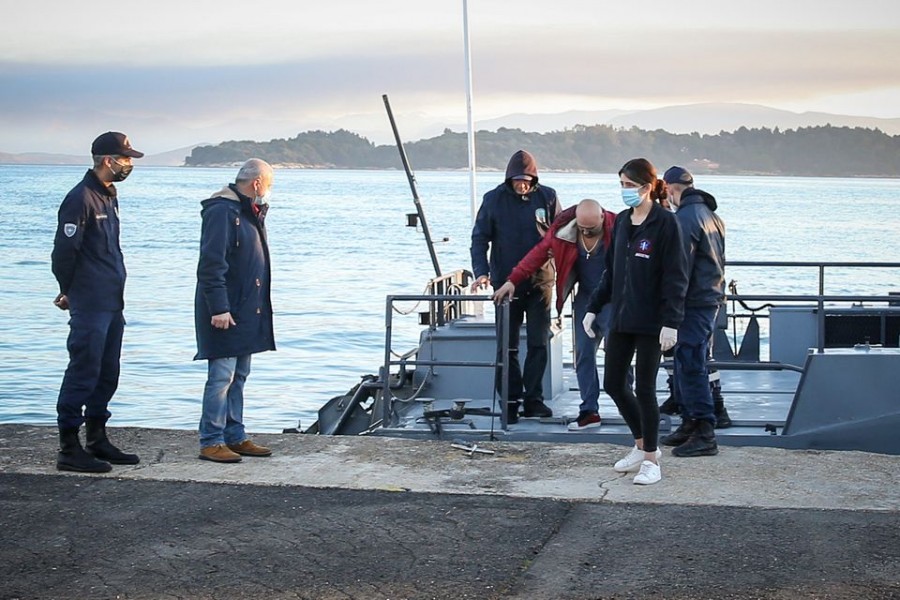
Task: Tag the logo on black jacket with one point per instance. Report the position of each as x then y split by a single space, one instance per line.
644 247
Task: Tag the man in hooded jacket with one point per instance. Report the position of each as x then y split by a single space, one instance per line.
512 219
233 307
704 245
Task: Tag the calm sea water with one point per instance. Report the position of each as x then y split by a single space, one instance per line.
339 245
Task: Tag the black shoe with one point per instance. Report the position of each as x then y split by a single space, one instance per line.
702 442
723 421
536 409
512 412
72 457
100 446
680 435
670 406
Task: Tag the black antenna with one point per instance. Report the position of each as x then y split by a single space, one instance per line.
412 185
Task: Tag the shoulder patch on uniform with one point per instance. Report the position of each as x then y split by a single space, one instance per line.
69 229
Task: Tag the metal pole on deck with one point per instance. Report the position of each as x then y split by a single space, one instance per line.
412 185
470 122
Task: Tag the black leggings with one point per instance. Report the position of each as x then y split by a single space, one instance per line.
638 407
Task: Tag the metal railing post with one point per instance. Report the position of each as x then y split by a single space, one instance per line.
503 340
386 372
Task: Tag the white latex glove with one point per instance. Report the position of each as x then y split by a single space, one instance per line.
588 323
667 338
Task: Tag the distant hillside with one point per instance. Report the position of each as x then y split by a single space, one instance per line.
43 158
808 151
709 118
712 118
172 158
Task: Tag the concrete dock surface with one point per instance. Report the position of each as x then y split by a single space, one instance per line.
381 518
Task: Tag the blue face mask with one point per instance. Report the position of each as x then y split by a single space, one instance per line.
631 197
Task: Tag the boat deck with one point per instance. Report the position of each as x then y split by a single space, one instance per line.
755 400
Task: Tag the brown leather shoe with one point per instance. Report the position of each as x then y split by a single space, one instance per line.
248 448
219 453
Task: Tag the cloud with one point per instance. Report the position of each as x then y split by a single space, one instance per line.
537 68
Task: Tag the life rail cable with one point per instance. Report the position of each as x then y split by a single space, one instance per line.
732 289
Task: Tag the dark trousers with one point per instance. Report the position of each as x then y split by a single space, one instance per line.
91 379
527 383
691 377
638 407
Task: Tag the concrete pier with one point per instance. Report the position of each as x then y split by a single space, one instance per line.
388 518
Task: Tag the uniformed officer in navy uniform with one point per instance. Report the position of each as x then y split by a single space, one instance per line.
87 262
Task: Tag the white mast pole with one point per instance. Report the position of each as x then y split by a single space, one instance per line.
469 120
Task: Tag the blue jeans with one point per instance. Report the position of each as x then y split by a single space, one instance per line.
586 355
91 379
586 359
691 377
221 421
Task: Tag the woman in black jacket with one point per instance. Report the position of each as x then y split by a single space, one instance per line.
645 281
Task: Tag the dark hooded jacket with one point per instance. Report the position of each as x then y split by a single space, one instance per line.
233 275
87 258
704 244
646 274
511 225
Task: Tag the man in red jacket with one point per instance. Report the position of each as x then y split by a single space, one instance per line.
577 241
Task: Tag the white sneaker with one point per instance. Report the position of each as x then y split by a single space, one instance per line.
650 473
632 461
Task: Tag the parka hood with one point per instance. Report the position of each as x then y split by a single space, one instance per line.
693 195
226 193
522 163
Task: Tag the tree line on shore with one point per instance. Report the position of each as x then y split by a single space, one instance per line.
808 151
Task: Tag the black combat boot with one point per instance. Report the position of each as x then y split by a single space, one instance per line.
671 406
702 442
98 444
536 409
723 421
680 435
72 457
512 412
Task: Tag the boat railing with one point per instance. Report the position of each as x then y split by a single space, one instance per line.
883 319
455 284
441 304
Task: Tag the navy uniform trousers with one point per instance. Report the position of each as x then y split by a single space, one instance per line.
91 379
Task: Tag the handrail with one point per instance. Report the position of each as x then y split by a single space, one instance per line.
733 365
502 316
821 298
797 263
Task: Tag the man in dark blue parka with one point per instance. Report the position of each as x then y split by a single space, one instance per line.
704 246
233 307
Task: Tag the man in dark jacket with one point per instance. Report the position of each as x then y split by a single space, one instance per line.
704 245
233 307
88 264
512 219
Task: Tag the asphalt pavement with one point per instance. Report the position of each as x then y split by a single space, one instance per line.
375 518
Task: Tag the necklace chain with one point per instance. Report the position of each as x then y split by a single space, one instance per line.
592 248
